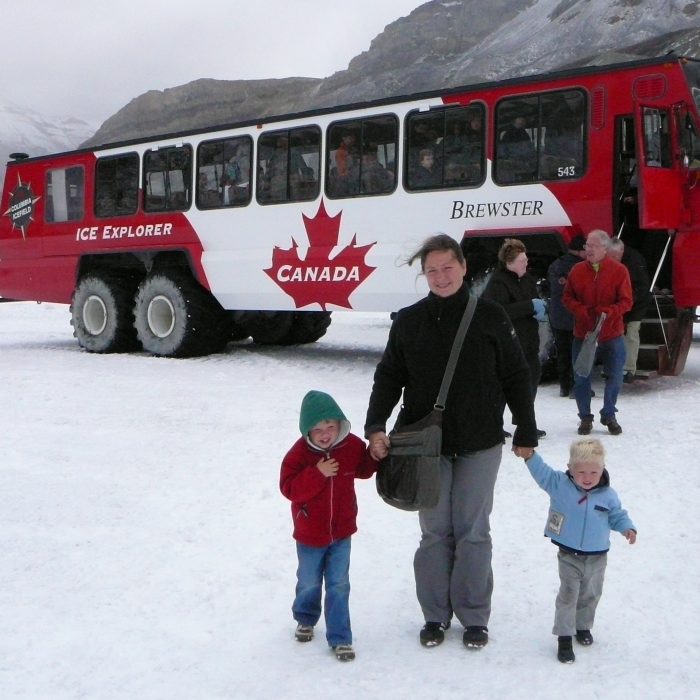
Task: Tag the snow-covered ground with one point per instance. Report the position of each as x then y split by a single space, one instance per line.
145 549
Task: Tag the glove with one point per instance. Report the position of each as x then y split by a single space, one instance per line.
540 309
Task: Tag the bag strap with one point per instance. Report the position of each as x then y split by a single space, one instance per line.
454 353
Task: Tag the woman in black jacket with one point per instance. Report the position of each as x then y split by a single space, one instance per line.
453 562
515 289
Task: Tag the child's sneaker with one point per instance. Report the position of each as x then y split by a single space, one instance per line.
584 637
433 633
565 651
344 652
304 633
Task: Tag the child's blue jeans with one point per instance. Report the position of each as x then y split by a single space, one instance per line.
333 564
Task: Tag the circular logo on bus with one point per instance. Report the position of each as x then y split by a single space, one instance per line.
21 207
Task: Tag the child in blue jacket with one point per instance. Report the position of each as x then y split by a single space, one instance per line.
583 509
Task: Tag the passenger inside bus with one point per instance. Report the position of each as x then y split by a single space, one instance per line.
375 177
463 152
426 173
515 146
208 196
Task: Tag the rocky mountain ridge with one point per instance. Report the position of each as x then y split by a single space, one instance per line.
442 43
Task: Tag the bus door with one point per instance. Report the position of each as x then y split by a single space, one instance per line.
660 182
688 139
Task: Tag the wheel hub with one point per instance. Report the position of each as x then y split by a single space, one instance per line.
94 315
161 316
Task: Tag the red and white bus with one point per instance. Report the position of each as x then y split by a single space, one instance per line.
176 244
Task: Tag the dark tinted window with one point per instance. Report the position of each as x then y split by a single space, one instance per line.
361 156
167 179
445 148
223 173
117 185
540 137
288 165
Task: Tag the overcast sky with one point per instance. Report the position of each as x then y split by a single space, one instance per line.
88 59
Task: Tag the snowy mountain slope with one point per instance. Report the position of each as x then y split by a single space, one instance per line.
24 130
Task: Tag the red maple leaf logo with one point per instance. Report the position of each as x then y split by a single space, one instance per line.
318 279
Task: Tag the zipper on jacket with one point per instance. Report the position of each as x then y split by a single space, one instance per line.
330 510
585 518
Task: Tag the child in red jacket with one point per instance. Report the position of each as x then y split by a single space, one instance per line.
318 477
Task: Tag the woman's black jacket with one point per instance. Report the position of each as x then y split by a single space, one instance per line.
491 367
515 295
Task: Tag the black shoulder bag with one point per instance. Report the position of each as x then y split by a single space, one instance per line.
409 477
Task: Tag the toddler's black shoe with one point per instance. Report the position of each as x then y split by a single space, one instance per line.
584 637
304 633
344 652
628 378
585 426
475 637
612 425
565 650
433 633
541 433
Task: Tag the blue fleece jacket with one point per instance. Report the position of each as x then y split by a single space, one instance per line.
579 520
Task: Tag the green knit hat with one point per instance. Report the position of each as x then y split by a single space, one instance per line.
317 406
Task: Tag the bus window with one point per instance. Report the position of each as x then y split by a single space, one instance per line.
561 135
361 157
65 195
691 144
288 165
167 178
117 185
517 137
540 137
223 173
657 140
445 148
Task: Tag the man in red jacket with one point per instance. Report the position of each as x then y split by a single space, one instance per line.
596 285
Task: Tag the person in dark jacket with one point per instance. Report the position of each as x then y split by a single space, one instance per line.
560 318
453 562
636 265
583 509
318 477
515 289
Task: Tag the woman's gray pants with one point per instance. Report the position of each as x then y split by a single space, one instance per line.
453 562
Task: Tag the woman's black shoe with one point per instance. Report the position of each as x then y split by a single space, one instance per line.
433 633
475 637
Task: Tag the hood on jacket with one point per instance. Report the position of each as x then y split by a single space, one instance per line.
317 406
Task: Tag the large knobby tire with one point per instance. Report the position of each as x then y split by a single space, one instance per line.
101 313
175 317
269 327
307 327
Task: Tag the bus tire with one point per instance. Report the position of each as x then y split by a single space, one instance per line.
307 327
175 317
269 327
101 314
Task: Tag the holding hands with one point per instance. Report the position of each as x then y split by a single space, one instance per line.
379 445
